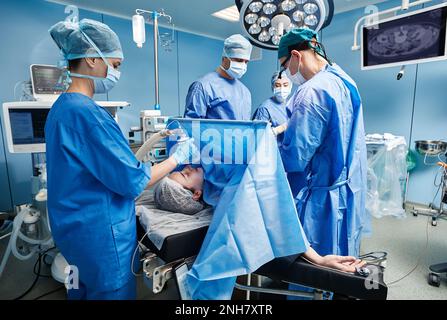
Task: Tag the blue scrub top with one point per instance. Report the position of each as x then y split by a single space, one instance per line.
274 112
93 178
215 97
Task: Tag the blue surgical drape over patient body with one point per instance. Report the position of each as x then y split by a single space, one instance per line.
93 178
215 97
325 140
255 218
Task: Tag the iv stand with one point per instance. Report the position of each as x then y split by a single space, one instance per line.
155 15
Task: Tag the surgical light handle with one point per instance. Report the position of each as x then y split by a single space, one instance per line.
405 6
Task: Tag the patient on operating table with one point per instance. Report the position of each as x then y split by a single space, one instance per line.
181 191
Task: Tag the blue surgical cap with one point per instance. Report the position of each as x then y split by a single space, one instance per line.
236 46
295 37
74 44
276 76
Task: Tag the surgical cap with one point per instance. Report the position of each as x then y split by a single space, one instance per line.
295 37
236 46
170 195
74 45
276 76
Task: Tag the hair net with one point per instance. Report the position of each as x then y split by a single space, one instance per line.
295 37
74 45
276 76
236 46
169 195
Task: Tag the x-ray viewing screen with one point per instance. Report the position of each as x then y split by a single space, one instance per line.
410 38
27 125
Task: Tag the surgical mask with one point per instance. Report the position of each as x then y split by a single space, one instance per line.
281 93
102 85
236 69
297 78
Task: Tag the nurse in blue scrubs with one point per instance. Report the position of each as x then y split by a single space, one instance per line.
220 94
93 176
274 109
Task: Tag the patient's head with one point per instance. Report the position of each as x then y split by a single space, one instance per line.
181 191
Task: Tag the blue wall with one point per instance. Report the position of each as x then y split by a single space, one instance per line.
388 103
28 42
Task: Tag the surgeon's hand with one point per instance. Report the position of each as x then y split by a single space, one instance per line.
185 150
280 129
347 264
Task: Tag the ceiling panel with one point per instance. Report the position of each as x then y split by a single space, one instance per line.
191 16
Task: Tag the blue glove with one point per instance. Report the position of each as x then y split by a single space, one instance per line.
185 150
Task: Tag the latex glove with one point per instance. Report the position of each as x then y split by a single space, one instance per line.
185 150
280 129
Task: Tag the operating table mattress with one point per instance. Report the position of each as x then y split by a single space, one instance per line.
184 240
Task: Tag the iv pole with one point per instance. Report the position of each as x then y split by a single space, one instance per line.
139 38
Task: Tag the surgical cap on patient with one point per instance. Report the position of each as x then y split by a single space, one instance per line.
236 46
74 45
169 195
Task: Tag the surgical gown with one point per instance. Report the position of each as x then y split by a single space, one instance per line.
93 178
325 145
274 112
215 97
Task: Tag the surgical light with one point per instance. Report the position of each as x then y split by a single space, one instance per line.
256 6
266 21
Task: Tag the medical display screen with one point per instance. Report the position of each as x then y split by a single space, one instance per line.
27 125
46 80
414 37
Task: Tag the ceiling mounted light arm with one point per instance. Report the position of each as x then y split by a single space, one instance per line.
139 37
406 4
264 22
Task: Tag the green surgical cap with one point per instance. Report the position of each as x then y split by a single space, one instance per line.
295 37
74 45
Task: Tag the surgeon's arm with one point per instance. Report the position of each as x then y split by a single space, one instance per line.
306 129
161 169
342 263
196 102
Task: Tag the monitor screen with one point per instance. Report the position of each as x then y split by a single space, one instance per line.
410 38
46 79
27 125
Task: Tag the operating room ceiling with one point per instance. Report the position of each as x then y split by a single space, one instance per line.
192 16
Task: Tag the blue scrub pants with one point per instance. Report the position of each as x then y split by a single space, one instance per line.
127 292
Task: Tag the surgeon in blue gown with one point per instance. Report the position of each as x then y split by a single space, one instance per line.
220 94
274 109
325 141
93 176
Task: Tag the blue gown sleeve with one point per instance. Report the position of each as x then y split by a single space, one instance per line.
196 102
262 114
306 130
108 157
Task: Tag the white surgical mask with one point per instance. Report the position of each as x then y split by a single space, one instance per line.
281 93
297 78
236 69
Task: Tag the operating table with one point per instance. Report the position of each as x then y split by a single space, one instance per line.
159 261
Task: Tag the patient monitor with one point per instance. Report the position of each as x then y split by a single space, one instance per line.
24 123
